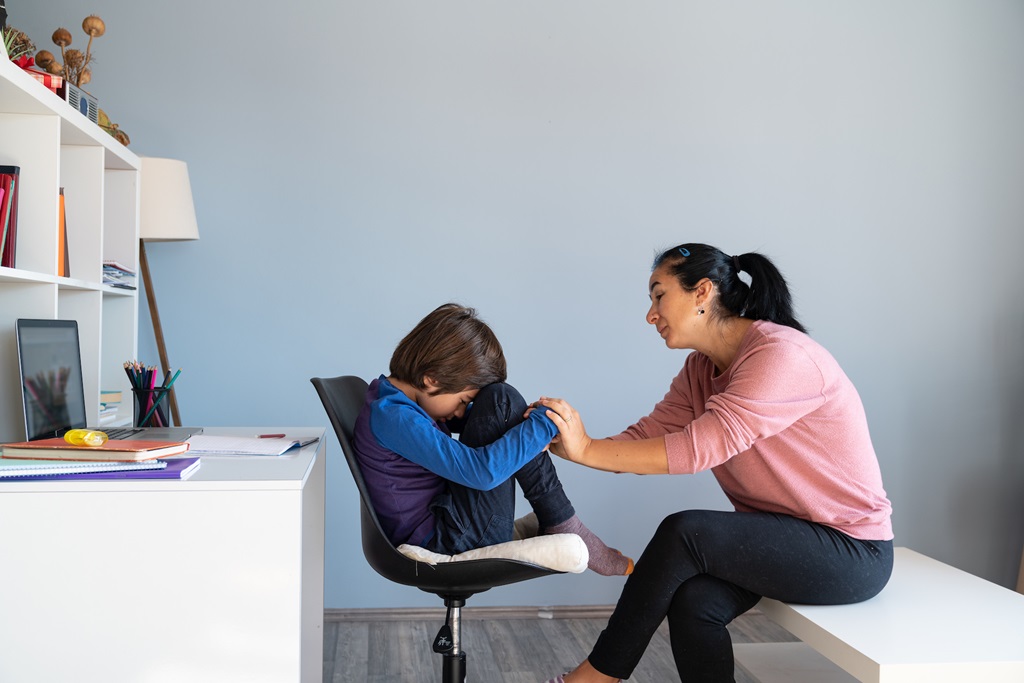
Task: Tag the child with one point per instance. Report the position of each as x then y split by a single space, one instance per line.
450 495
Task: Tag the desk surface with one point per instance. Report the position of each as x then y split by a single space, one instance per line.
270 472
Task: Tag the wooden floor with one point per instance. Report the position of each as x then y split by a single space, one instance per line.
373 649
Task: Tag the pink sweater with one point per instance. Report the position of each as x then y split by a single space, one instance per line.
783 429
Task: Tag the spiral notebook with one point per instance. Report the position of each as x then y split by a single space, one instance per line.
10 469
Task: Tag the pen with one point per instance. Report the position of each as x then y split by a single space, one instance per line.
270 436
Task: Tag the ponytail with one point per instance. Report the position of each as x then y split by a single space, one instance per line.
767 296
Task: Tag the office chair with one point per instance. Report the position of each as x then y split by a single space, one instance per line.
453 582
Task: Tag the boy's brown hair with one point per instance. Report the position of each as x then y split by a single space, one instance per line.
453 347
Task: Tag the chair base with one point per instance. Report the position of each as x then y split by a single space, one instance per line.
453 669
447 643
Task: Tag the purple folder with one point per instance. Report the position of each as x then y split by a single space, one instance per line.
177 468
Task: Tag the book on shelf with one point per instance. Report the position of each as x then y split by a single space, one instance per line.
63 262
111 396
121 450
110 406
20 468
108 413
9 177
117 274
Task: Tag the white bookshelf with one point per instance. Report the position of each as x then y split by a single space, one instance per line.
56 146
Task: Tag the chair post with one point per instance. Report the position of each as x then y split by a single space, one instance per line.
453 667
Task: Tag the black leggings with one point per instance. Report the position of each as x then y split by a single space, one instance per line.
703 569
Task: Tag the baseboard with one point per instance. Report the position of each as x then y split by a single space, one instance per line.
471 613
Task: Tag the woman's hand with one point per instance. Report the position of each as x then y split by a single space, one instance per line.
645 456
572 440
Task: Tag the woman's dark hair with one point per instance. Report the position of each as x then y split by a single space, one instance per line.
453 347
767 296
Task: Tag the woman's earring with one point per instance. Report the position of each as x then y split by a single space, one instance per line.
700 311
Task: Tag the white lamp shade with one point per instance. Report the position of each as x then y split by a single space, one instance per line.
167 213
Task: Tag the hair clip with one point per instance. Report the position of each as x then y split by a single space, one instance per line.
684 251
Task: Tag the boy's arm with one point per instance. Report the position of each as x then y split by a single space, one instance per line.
405 431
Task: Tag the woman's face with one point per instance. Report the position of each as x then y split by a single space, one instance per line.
673 310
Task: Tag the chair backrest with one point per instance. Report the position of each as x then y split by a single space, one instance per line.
343 398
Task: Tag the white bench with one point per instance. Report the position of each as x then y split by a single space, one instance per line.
931 624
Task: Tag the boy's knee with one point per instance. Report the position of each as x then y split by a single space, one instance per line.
502 397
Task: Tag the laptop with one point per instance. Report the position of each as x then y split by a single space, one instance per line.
52 388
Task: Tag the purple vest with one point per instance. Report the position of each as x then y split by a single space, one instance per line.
401 490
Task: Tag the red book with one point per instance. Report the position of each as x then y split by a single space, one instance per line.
9 175
59 449
6 181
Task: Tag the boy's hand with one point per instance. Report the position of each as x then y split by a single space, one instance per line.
572 440
534 406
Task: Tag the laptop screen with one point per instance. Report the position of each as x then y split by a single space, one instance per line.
53 395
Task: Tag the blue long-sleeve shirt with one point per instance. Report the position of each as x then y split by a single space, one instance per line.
407 459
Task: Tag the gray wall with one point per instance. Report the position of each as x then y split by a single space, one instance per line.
356 164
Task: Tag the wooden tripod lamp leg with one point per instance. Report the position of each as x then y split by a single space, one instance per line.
157 328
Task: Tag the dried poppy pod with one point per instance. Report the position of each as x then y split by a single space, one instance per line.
44 58
93 26
62 38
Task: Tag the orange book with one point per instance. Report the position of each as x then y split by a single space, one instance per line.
62 241
59 449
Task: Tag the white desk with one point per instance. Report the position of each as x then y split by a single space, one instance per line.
213 579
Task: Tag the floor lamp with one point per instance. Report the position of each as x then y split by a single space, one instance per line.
167 214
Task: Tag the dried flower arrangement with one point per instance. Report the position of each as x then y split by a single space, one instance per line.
17 43
75 68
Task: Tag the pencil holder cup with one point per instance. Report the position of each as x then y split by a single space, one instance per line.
150 407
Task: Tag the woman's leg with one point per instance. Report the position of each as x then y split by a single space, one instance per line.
763 554
697 618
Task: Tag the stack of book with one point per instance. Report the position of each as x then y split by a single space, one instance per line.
110 403
118 275
55 458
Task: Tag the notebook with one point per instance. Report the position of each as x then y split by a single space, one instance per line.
53 390
17 469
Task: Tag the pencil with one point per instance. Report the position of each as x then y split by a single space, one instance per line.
163 392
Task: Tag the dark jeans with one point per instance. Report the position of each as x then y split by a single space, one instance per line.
703 569
467 518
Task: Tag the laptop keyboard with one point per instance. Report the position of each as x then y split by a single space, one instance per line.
122 432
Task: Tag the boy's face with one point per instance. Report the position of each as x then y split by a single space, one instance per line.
443 407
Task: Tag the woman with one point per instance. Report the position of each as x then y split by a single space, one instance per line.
770 412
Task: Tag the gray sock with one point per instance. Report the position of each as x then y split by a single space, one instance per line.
603 560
